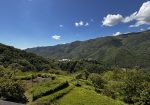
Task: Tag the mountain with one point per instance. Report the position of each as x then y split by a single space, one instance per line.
127 50
15 58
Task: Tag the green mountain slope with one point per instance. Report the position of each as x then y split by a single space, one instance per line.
126 50
15 58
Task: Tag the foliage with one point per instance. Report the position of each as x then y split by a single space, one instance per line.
18 59
12 91
96 80
92 66
128 50
137 87
131 86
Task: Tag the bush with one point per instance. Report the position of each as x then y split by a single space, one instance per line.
130 86
12 91
77 84
96 80
83 75
136 88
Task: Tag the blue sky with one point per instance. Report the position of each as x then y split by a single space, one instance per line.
31 23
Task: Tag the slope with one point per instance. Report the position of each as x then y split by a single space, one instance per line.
18 59
127 50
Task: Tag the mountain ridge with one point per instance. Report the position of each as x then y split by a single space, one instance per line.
125 50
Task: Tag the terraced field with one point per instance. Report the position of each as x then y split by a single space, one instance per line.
62 91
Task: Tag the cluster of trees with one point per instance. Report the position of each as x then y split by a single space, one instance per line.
10 89
92 66
130 86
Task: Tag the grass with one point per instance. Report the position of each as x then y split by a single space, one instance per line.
44 87
47 100
71 95
44 91
82 96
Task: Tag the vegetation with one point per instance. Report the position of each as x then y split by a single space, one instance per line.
43 91
82 96
92 66
106 71
17 59
12 91
47 100
128 50
130 86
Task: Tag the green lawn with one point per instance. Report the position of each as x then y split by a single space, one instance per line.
82 96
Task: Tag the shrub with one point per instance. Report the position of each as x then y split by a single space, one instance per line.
96 80
12 91
77 84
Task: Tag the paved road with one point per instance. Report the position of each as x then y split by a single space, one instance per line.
9 103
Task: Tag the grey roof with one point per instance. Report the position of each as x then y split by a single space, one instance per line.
9 103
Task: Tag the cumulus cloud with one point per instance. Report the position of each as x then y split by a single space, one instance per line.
117 33
129 18
141 17
81 23
111 20
56 37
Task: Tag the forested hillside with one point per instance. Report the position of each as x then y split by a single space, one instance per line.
127 50
15 58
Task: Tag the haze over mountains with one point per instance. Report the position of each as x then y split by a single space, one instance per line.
127 50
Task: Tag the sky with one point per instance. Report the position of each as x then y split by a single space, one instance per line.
31 23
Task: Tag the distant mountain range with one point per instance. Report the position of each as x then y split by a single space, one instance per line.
127 50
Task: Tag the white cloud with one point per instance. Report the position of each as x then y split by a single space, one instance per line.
129 18
141 17
56 37
111 20
76 24
61 26
148 28
86 24
141 29
117 33
81 23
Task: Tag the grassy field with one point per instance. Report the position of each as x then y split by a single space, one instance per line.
82 96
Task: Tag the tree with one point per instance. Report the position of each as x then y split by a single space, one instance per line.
12 91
